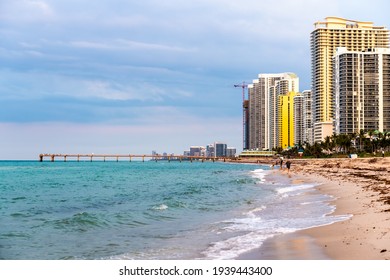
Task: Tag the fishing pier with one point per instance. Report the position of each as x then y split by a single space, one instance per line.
104 157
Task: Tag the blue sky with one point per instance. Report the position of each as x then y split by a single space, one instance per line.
117 76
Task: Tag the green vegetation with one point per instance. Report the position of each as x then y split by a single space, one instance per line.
364 144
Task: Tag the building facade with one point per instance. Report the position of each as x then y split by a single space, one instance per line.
231 152
286 120
307 117
327 36
220 149
362 90
263 104
298 120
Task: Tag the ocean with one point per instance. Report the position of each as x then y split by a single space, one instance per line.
149 210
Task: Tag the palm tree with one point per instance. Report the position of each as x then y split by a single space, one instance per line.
362 135
371 133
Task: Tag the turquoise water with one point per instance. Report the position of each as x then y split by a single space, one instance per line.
147 210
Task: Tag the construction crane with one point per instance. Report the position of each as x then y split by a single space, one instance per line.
245 116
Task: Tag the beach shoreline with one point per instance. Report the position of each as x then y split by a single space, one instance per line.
360 188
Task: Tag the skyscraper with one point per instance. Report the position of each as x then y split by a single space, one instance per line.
262 95
298 119
327 36
307 116
362 90
286 120
303 125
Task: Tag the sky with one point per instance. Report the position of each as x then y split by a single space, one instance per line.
129 77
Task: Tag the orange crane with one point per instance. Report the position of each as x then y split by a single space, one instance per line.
245 116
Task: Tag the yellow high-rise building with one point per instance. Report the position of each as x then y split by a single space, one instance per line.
286 120
327 36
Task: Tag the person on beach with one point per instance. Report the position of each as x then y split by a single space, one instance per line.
281 162
383 153
288 165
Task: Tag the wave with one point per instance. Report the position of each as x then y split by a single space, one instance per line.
160 207
81 222
259 175
235 246
296 188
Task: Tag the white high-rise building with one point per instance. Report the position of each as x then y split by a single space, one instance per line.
303 121
362 90
307 116
263 95
298 119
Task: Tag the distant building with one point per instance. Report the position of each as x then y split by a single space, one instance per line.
231 152
210 150
220 149
197 151
362 90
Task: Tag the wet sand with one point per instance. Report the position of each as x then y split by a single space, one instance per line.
361 187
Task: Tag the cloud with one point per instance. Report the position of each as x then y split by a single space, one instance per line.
127 45
26 10
153 64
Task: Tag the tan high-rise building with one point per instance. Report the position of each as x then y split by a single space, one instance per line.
327 36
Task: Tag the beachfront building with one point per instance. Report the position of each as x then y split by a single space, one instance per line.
262 107
327 36
303 121
282 87
362 90
298 120
286 120
307 117
197 151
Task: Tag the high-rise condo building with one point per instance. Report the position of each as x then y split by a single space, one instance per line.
303 124
263 99
362 90
286 120
327 36
307 116
298 120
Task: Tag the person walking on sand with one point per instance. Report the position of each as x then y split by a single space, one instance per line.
281 163
288 165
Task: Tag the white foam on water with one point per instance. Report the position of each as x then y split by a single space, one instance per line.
293 208
160 207
259 174
296 188
256 211
233 247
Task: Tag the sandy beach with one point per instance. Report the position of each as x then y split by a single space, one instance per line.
361 188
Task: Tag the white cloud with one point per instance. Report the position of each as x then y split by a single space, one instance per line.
26 10
178 57
122 44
